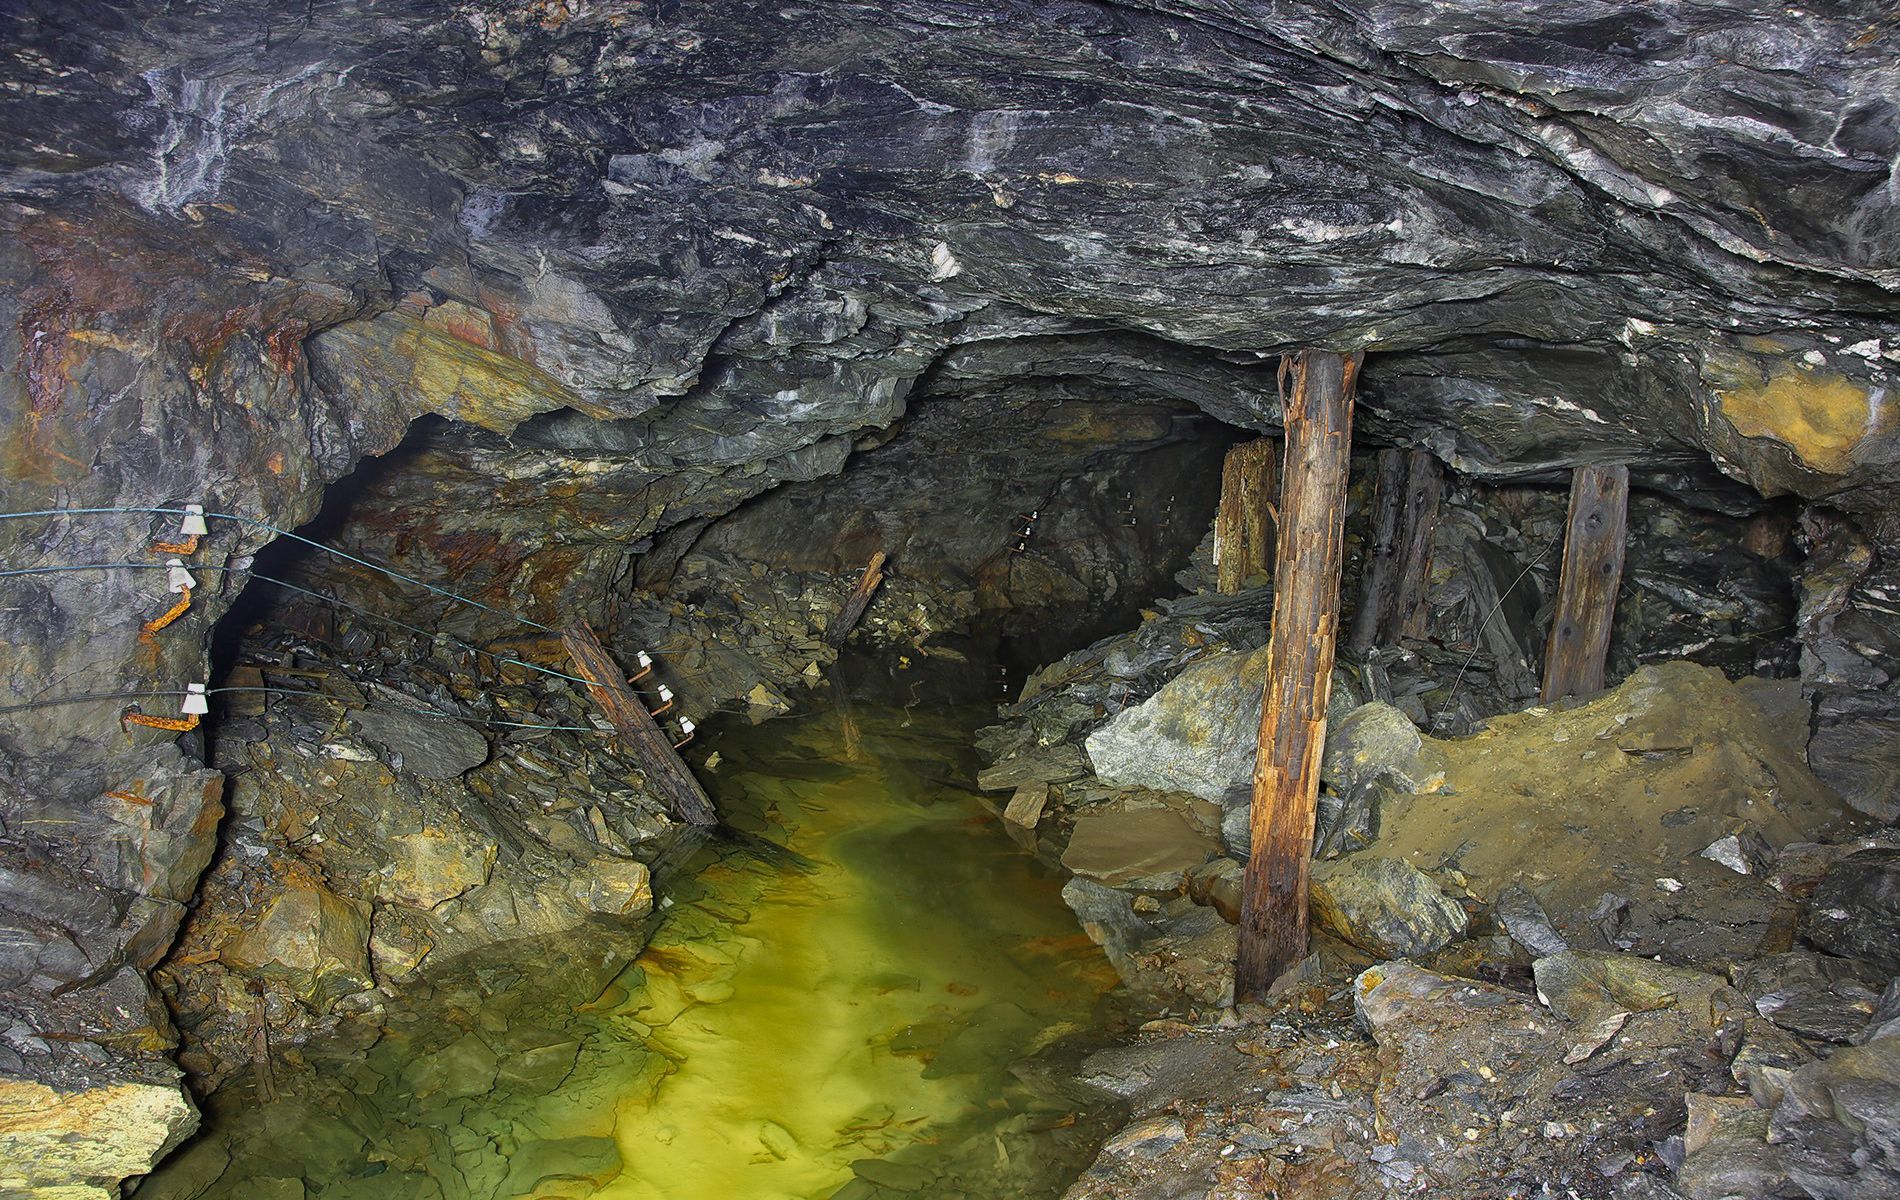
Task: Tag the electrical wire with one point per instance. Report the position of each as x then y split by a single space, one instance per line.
271 579
297 537
86 697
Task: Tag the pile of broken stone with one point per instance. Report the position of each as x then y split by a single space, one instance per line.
395 803
1629 946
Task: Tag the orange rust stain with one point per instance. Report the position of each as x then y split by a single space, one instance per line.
283 345
130 798
275 463
474 329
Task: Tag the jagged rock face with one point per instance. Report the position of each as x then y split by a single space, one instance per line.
246 245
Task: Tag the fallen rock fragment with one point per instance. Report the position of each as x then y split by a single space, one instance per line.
77 1144
1855 911
1386 907
1154 846
1527 923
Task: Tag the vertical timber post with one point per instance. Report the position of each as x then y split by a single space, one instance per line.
1423 486
1240 524
1382 556
1593 571
1299 667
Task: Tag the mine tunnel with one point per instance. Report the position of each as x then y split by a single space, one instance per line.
1094 600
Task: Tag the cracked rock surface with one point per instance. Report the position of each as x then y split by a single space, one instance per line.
631 266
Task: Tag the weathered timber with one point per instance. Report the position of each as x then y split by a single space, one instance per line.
1299 667
1592 572
857 601
1379 583
666 772
1241 524
1424 483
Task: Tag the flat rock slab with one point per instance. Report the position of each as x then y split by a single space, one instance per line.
1057 764
437 747
1122 847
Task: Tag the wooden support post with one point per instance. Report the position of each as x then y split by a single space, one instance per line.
1592 573
857 601
621 705
1424 483
1377 586
1299 667
1241 548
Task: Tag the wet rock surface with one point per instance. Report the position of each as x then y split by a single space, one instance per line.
1605 993
390 815
611 274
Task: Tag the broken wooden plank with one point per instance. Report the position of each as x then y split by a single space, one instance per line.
1378 585
666 772
857 601
1411 609
1594 535
1241 524
1299 668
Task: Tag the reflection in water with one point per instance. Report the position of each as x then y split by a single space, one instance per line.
867 1008
831 1006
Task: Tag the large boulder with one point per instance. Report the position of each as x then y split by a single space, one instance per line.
1856 908
1385 907
78 1144
1199 732
432 744
313 939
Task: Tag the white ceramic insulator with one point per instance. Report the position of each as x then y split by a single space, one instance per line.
194 522
666 693
645 661
197 704
177 578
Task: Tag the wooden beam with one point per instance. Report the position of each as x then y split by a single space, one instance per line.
1424 484
1379 583
666 772
857 601
1593 571
1241 524
1299 667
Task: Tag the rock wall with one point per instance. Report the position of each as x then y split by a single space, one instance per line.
248 244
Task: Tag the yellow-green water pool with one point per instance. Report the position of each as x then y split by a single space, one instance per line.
845 998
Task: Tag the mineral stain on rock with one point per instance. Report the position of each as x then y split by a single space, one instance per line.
668 317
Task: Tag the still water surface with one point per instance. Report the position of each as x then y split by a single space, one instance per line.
836 1003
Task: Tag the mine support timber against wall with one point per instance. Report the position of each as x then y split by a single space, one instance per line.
1241 549
1378 585
1299 667
1424 486
665 770
1594 534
